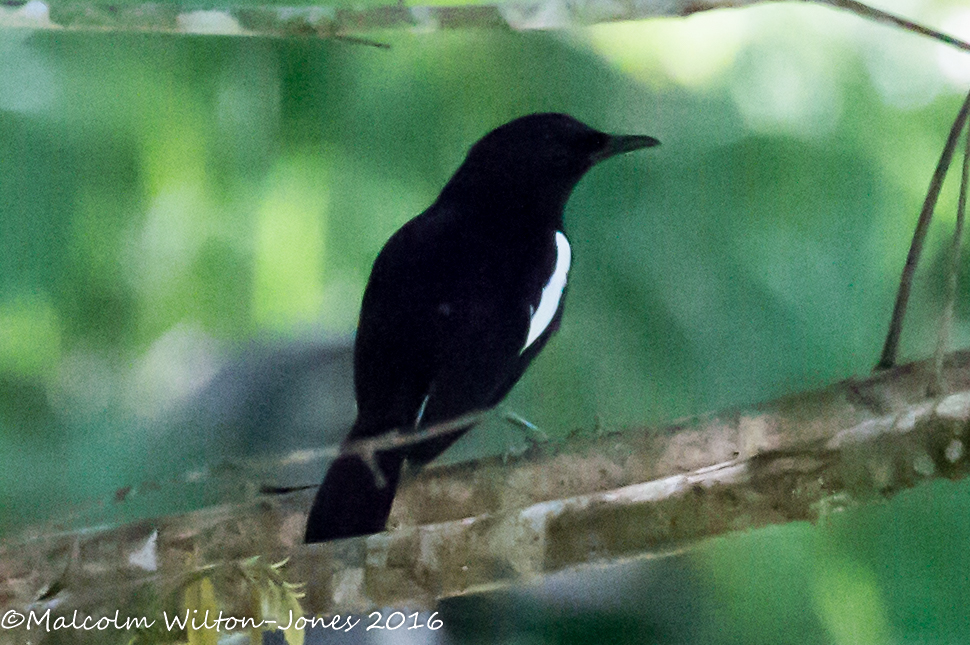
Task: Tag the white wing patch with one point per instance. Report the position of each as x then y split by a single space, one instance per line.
551 293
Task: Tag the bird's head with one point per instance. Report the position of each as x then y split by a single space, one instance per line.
537 160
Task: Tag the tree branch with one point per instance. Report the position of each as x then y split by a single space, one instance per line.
339 20
498 522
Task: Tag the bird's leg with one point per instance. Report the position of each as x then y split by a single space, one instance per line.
532 432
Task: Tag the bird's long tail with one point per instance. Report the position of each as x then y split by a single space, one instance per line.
350 501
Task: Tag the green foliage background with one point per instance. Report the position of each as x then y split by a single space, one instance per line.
217 190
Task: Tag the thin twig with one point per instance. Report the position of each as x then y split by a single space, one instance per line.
401 437
878 15
355 40
891 347
366 449
937 386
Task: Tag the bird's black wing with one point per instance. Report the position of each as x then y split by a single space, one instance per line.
441 333
395 354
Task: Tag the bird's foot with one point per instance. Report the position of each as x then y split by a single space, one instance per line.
533 434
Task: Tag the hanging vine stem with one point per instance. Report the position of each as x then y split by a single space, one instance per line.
937 386
891 347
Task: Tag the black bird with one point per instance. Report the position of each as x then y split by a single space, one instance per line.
459 302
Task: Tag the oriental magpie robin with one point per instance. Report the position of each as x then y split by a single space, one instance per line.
459 302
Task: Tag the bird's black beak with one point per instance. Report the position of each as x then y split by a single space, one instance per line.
617 144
